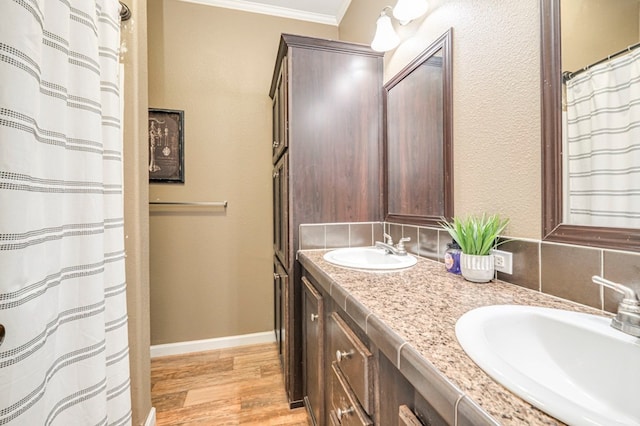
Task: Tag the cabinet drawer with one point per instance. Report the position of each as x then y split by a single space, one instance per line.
353 358
344 405
407 418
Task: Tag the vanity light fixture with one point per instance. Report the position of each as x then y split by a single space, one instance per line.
386 37
405 11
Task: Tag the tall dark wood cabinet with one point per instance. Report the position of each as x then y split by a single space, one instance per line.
327 150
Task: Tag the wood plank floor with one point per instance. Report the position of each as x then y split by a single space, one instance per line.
236 386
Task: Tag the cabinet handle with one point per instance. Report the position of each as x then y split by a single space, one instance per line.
343 413
314 317
275 144
343 355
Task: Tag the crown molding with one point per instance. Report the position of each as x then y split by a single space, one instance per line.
282 12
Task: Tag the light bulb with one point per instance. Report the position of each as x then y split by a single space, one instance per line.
408 10
386 37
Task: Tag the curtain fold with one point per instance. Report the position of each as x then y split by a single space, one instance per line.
64 360
603 144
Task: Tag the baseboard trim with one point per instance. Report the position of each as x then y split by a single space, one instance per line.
180 348
151 418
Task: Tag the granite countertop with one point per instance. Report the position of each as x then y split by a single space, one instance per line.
420 306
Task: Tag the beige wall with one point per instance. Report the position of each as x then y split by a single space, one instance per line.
134 35
211 270
594 29
496 98
358 25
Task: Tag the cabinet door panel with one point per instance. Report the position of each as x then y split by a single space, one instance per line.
281 209
279 114
280 280
313 314
279 274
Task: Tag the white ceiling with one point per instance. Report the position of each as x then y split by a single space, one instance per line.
320 11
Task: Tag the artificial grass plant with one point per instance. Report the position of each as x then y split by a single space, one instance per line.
475 234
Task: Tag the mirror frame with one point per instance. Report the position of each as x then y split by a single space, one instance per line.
441 43
552 227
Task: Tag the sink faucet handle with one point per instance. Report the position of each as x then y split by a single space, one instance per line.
400 245
387 238
630 296
402 241
627 319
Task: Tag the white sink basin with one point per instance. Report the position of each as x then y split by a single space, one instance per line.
571 365
369 258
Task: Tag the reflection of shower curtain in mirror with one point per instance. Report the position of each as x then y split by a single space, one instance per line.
603 144
65 357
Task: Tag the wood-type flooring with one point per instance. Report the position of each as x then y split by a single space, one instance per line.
236 386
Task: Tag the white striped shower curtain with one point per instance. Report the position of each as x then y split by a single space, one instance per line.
64 359
603 144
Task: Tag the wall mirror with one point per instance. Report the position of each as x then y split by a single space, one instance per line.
418 157
590 170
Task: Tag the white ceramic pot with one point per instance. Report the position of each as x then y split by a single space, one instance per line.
477 269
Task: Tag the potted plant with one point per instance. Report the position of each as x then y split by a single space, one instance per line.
476 236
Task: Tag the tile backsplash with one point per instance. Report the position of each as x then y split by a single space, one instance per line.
336 235
560 270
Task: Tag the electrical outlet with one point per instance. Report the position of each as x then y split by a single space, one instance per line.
503 261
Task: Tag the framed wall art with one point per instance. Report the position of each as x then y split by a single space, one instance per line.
166 145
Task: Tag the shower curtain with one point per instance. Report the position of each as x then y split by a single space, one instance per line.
64 356
603 144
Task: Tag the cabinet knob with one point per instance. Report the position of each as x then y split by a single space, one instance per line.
340 412
276 276
276 174
343 355
275 144
314 317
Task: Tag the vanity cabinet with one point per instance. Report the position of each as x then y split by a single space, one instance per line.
326 151
358 383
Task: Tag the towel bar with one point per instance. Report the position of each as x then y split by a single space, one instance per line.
191 203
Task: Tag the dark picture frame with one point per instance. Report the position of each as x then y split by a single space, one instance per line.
166 145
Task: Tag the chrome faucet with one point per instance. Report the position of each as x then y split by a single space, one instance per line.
628 318
388 246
